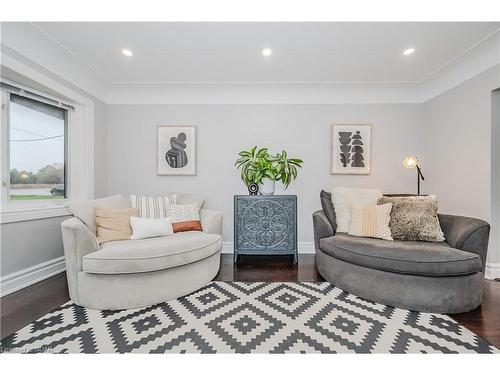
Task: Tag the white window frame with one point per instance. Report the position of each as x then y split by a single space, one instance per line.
80 146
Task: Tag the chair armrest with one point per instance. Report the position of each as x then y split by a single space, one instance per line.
467 234
322 227
78 241
211 221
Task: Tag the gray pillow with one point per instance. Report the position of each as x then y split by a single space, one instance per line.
327 206
414 220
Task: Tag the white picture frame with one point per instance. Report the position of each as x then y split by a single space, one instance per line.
351 146
176 150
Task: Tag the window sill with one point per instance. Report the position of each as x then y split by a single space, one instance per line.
16 213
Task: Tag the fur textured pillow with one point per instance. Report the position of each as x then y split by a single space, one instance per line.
414 220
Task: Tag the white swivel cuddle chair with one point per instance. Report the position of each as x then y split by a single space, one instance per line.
137 273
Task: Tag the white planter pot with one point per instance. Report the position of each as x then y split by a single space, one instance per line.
266 187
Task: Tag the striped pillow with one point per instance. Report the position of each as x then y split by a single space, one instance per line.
371 221
153 207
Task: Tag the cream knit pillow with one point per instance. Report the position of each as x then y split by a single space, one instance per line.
371 221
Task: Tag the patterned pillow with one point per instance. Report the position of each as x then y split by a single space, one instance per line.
414 219
153 207
371 221
185 217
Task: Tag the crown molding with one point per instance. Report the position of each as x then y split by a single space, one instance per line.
276 93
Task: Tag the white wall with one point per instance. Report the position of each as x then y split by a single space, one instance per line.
224 130
457 148
495 179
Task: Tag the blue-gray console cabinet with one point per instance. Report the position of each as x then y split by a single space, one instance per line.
265 225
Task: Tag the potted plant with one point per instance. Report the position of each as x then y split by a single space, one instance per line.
259 167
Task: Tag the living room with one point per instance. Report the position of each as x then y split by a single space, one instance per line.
250 187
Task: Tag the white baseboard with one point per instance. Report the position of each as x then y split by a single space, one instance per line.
31 275
492 270
304 247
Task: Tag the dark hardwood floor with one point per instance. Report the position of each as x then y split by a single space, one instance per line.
25 306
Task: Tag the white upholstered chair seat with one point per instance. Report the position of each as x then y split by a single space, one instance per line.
152 254
137 273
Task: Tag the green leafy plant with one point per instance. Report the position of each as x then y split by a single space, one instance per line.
257 164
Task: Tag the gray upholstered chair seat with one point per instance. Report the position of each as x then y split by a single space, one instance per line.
442 277
152 254
406 257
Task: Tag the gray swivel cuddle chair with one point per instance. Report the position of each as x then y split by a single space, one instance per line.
137 273
422 276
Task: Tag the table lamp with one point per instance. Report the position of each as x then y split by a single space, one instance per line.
412 162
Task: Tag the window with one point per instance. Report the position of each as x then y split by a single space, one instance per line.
36 148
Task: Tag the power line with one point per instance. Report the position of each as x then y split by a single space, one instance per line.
36 139
31 133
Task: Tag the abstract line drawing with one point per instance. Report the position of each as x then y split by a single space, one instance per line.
176 157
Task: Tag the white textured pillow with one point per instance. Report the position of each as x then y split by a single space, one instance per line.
343 198
371 221
146 228
184 212
153 207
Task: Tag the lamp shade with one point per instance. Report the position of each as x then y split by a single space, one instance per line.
410 162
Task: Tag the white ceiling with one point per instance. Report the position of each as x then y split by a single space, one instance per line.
231 52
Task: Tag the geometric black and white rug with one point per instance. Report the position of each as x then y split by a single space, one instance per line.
237 317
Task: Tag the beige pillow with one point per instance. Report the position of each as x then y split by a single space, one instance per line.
113 224
371 221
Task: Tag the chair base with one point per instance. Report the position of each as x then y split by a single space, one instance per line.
127 291
446 294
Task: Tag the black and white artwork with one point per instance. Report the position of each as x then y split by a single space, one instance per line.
176 154
351 149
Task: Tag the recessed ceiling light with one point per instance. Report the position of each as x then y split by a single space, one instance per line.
267 52
408 51
127 52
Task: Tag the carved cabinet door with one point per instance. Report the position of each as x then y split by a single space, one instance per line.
265 225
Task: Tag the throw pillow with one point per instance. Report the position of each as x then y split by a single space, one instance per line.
153 207
146 228
371 221
113 224
185 217
343 198
84 210
414 219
